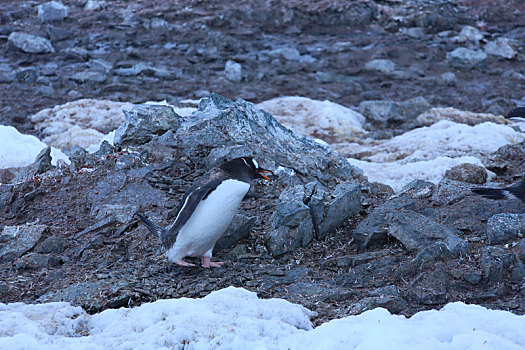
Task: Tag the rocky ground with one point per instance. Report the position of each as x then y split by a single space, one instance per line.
85 247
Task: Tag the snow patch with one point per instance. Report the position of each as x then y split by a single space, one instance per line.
321 119
234 318
18 150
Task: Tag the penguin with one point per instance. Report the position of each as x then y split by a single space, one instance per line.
516 114
206 210
516 190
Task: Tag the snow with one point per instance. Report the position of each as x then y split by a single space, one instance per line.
427 152
234 318
79 123
18 150
465 117
321 119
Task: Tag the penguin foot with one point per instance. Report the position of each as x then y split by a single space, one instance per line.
183 263
207 263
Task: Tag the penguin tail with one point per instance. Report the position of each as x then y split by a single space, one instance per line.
152 227
492 193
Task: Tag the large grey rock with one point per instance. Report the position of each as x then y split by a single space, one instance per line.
144 122
501 47
305 212
222 123
462 57
399 218
467 172
52 11
30 43
233 71
468 34
504 227
15 241
239 228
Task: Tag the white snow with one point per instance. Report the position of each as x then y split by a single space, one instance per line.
321 119
427 152
18 150
234 318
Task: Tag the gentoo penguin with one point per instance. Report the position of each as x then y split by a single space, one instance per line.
514 191
206 210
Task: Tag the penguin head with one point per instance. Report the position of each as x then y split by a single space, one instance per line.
517 114
245 168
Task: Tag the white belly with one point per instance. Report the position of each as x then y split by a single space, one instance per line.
209 221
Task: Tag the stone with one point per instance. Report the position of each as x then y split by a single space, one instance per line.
290 54
78 54
95 5
394 304
291 223
464 58
89 77
159 23
449 78
85 294
15 241
495 263
52 11
42 162
33 261
139 68
30 43
410 109
521 249
501 47
381 65
123 214
504 227
52 244
467 172
58 33
380 111
414 230
468 34
27 75
233 71
144 122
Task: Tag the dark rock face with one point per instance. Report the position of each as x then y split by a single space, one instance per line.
502 228
17 240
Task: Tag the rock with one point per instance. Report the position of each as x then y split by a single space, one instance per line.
410 109
123 214
139 68
30 43
342 203
15 241
159 23
355 259
380 111
501 47
495 262
85 294
238 229
143 122
415 32
95 5
521 249
394 304
415 231
464 58
42 162
427 257
468 34
27 75
504 227
473 277
289 54
78 54
52 11
291 223
33 261
233 71
58 33
89 77
431 287
52 244
449 78
467 172
381 65
365 274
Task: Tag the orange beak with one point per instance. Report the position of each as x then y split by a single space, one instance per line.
264 176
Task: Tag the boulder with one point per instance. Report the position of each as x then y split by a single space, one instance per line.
467 172
52 11
233 71
30 43
504 227
501 47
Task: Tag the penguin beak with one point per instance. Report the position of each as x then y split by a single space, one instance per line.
261 173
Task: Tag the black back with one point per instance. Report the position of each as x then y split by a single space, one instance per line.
516 113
